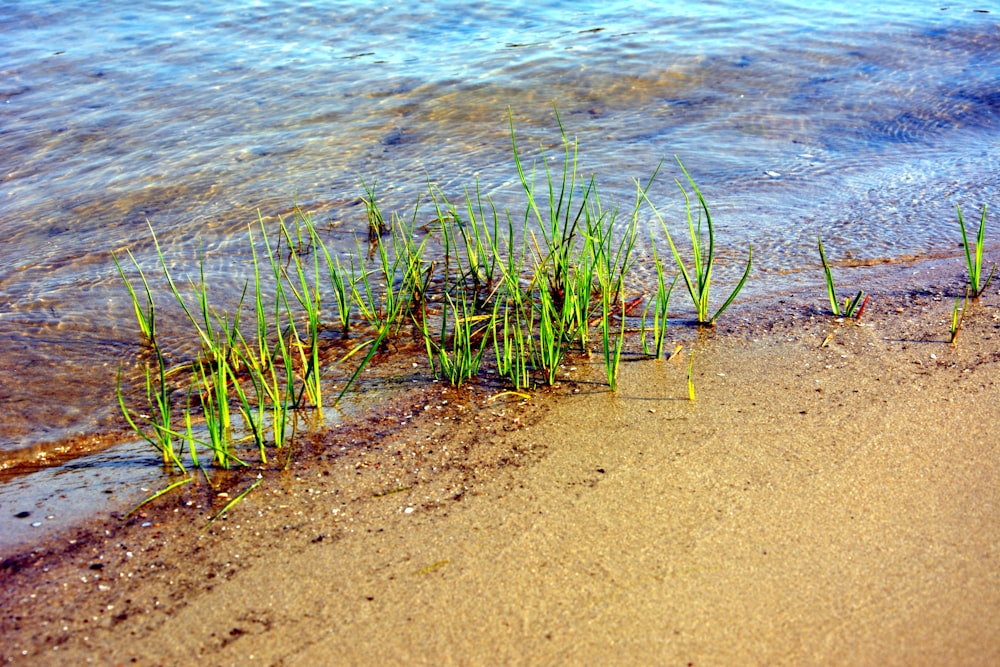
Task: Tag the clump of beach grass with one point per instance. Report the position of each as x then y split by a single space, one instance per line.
612 339
457 360
518 291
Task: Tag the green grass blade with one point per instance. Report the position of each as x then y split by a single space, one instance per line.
146 317
739 286
166 489
830 289
235 500
690 377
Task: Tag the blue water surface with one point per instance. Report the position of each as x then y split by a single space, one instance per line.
864 122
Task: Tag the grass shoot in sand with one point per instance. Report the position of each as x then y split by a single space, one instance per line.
852 307
974 256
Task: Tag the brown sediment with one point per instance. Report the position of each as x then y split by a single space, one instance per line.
44 455
860 263
817 504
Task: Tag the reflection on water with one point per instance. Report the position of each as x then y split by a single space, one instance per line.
865 125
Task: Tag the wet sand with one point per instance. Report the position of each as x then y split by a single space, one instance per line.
816 504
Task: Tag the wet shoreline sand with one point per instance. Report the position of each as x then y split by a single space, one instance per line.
816 504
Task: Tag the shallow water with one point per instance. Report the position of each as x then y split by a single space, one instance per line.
796 118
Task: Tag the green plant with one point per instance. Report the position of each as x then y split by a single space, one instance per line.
306 291
559 223
852 307
974 256
214 348
478 234
523 289
699 279
170 487
283 318
511 344
659 304
377 226
144 314
213 384
382 303
958 316
512 341
577 302
383 308
550 347
263 361
459 361
243 494
598 264
252 413
612 259
159 406
342 279
690 377
612 344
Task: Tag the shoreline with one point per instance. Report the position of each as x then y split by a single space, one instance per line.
814 504
48 456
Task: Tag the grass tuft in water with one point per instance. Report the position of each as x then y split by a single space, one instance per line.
480 285
158 411
377 226
458 360
145 311
698 279
305 288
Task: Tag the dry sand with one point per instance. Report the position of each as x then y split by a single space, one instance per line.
815 505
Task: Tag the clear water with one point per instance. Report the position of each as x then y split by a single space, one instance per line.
866 125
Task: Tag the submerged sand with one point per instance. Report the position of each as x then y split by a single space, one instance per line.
817 503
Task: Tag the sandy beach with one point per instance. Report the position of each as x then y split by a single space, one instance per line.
223 219
831 497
